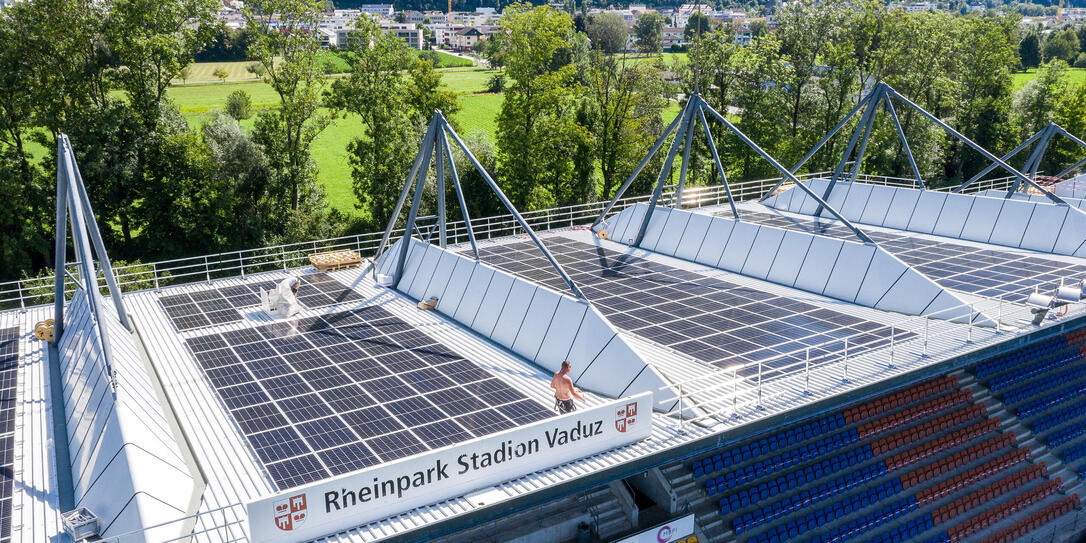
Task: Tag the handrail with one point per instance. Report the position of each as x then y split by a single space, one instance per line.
29 292
713 387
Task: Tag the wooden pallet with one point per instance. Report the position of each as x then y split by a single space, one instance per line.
335 260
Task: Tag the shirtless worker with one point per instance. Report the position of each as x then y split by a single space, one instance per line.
564 391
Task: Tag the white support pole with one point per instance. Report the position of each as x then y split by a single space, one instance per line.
735 392
969 337
927 320
759 407
892 346
999 316
844 371
681 430
807 373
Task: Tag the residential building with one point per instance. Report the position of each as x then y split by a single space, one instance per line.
466 38
380 10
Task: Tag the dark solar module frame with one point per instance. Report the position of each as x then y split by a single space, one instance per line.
9 363
982 271
710 319
327 395
205 308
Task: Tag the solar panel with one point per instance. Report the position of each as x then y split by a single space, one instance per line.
189 311
317 397
9 362
707 318
982 271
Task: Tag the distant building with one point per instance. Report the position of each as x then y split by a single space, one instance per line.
380 10
915 7
410 34
673 36
466 38
413 17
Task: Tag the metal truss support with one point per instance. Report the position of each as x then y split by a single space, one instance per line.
885 93
435 146
73 207
1034 160
1043 137
860 129
780 168
975 146
904 141
683 127
829 135
1005 158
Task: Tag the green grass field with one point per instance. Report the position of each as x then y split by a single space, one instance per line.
199 102
1075 75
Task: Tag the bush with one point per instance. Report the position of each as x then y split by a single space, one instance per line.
432 57
239 105
1080 61
496 83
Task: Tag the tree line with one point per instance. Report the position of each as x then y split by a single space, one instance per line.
577 114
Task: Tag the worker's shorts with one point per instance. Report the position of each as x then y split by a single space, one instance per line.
564 406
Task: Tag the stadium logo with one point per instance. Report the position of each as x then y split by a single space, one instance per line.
664 535
626 416
290 513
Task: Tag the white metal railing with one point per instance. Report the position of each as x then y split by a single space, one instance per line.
222 525
718 394
30 292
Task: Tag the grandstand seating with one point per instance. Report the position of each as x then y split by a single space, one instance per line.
926 463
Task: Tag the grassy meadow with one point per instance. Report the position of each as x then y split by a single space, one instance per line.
1075 75
204 96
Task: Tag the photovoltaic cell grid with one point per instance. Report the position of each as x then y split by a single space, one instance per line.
984 272
323 396
188 311
707 318
9 359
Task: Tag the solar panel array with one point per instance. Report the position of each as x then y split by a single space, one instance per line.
194 310
9 363
710 319
321 396
981 271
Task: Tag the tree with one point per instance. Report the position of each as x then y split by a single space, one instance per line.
624 104
807 30
424 94
24 189
256 69
984 62
1037 101
697 24
290 55
1029 51
494 51
154 40
244 171
239 105
538 134
376 91
1063 46
185 73
649 30
221 74
608 32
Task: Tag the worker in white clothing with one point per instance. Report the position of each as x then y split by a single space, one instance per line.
283 301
